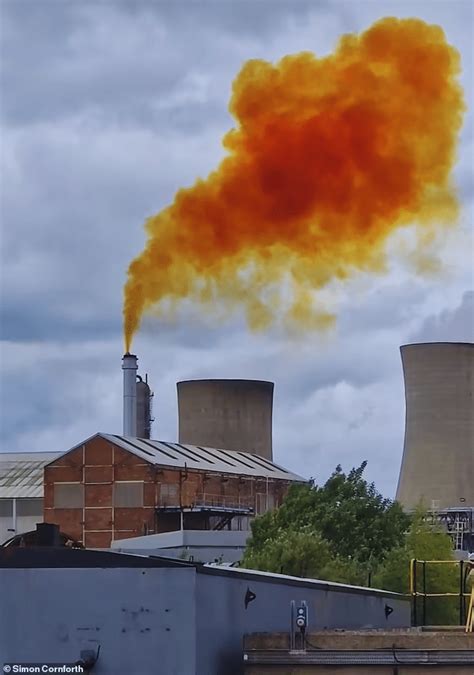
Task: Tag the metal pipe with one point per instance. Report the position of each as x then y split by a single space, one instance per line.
415 597
129 367
14 515
424 592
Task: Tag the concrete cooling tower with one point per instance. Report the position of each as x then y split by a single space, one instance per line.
438 456
227 414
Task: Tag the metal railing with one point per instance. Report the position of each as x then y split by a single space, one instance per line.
209 500
204 499
470 614
418 571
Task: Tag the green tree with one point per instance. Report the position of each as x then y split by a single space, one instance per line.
346 531
298 553
301 553
358 524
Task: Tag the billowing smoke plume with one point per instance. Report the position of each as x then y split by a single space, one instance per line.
328 157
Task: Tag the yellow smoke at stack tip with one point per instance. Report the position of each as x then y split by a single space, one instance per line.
329 156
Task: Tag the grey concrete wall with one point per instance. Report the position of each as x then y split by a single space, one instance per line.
222 619
198 545
398 643
276 669
438 455
198 554
143 619
227 414
179 538
182 621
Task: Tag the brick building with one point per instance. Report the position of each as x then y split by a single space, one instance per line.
111 487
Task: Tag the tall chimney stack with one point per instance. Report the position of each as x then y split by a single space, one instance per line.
129 367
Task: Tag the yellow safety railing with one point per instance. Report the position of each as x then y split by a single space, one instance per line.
462 594
470 614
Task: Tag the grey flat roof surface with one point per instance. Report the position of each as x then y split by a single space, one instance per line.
178 538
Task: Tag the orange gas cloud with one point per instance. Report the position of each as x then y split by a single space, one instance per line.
328 157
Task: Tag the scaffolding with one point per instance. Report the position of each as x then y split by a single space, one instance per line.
458 523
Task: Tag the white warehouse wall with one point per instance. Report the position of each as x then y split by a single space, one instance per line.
29 511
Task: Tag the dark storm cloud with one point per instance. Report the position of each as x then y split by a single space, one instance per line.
121 60
110 107
47 387
53 72
75 201
26 322
242 18
98 98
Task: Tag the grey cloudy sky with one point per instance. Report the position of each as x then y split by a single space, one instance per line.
109 107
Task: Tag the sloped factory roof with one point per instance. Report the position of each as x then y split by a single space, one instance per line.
178 455
204 459
21 473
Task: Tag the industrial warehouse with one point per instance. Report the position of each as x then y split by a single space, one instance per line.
221 472
237 337
112 487
129 519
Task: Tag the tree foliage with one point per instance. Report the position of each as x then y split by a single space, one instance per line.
339 512
302 553
425 540
348 532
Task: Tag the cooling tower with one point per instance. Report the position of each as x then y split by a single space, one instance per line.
227 414
438 456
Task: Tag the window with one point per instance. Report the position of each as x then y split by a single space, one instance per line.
169 494
241 524
68 496
29 507
128 495
6 508
265 502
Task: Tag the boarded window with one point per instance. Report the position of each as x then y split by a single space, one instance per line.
29 507
68 496
265 502
6 508
270 502
241 523
169 494
129 495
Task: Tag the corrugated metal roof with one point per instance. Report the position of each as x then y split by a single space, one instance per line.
21 473
203 459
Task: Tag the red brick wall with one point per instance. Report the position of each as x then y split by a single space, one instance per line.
98 464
